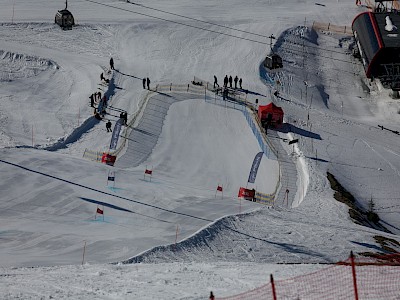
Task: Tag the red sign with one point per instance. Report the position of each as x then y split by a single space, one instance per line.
148 172
99 211
219 188
246 193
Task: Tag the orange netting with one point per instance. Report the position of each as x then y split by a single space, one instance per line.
375 277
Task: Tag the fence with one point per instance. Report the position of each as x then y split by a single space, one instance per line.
346 30
360 279
201 87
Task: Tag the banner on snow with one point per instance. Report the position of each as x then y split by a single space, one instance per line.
254 167
115 134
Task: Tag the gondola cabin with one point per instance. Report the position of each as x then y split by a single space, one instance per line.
64 18
273 61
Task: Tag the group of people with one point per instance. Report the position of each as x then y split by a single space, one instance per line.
146 81
94 98
229 80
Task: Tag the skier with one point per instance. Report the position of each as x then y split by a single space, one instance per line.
240 83
236 80
111 63
108 126
226 81
148 83
215 81
230 81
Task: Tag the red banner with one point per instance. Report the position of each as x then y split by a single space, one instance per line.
219 188
150 172
246 193
99 211
108 159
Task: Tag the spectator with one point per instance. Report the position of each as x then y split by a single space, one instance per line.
108 126
148 83
92 100
240 83
226 81
215 81
102 77
111 63
212 296
230 81
144 83
236 80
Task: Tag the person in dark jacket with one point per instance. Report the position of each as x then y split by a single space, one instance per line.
108 126
236 81
211 296
215 81
230 81
111 63
92 100
226 81
148 83
240 83
144 83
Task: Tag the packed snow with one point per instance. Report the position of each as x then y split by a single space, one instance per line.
173 234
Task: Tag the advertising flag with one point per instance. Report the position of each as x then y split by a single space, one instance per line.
254 167
115 134
148 172
219 188
99 211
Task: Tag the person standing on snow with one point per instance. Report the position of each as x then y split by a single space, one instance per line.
240 83
144 83
230 81
111 63
226 81
211 296
108 126
236 80
148 83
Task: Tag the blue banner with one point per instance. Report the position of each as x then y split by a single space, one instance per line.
254 167
115 134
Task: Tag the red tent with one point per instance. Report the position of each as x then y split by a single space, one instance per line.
275 113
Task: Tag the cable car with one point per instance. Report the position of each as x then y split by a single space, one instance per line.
64 18
273 61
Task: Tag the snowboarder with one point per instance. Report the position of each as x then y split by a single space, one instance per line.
236 80
240 83
211 296
144 83
226 81
215 81
111 63
108 126
148 83
230 81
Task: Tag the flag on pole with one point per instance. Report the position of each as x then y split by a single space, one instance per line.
150 172
99 211
111 176
219 188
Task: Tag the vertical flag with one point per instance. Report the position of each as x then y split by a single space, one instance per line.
115 134
254 167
